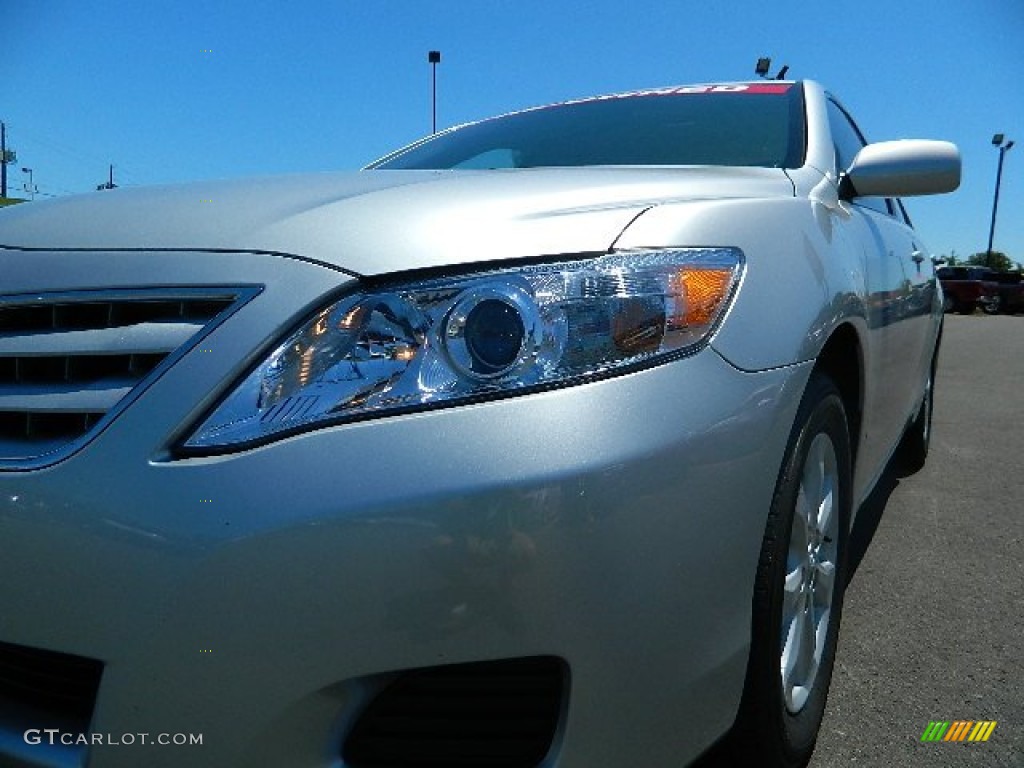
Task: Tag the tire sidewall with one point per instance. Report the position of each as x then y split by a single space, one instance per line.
916 442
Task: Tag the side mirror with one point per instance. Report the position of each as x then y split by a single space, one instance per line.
902 169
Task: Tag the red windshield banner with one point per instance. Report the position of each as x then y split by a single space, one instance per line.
768 87
679 90
725 88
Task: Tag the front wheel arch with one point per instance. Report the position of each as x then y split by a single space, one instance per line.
842 361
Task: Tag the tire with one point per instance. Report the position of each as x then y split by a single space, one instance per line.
948 303
798 594
913 448
993 306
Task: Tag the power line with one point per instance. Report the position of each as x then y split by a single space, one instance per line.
84 160
35 137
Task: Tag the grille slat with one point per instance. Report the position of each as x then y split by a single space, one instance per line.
68 360
145 337
83 312
32 399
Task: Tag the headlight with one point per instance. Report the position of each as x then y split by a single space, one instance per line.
488 334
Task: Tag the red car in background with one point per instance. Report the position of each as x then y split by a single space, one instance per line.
964 289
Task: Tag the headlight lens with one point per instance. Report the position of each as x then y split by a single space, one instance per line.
446 340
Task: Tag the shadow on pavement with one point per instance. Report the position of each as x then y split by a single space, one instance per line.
868 518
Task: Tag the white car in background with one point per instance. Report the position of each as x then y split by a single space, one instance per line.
537 442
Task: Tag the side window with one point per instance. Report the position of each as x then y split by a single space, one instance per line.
848 142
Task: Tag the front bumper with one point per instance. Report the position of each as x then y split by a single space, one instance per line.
249 597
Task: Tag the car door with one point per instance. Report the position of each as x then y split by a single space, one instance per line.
898 304
922 301
914 315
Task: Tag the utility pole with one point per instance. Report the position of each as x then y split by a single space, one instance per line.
7 156
3 159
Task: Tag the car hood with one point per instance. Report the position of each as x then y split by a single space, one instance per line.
375 222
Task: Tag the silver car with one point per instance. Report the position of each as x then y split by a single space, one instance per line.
536 443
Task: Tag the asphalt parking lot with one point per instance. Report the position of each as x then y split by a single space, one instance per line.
933 627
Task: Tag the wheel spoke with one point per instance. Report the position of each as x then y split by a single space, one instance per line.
812 480
791 647
820 631
803 513
808 664
791 595
824 583
826 507
798 662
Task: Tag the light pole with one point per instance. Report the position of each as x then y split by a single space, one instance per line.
997 141
434 57
109 183
31 188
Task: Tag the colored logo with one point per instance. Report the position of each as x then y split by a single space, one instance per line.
958 730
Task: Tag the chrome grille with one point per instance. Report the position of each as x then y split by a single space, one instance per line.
69 361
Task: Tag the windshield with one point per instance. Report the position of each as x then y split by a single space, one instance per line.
739 125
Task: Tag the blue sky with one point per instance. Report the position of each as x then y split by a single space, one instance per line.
178 90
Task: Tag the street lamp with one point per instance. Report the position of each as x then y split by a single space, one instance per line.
434 57
31 188
997 141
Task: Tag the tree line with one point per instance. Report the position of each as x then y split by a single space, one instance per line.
997 261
